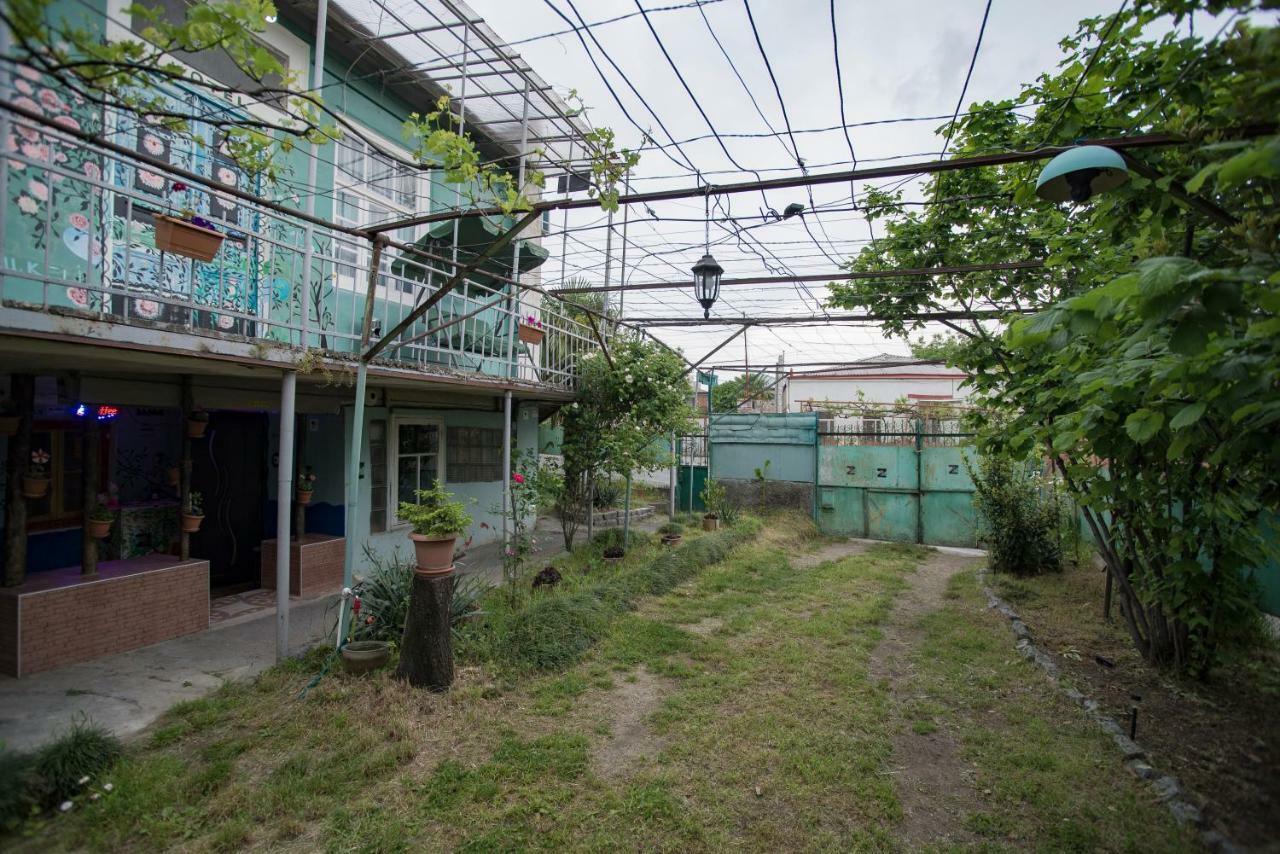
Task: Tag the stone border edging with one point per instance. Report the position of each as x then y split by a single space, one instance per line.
1168 789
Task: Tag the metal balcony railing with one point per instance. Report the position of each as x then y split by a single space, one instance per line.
78 233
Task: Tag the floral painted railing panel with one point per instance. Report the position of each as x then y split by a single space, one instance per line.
71 204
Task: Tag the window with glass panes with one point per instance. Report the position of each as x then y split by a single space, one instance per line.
378 475
370 188
418 454
64 500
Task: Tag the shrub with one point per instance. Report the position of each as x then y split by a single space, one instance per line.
556 628
608 494
30 782
671 529
17 795
1021 527
384 596
436 514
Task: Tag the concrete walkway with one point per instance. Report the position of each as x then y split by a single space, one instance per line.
127 692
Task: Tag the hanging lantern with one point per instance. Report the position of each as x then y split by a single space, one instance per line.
706 283
1078 174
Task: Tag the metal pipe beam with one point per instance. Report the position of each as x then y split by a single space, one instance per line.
838 275
928 167
834 318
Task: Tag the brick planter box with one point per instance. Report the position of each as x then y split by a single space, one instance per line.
315 565
58 618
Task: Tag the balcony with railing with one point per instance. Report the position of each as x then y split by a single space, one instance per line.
79 240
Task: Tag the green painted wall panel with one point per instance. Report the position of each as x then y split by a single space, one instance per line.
871 466
944 468
840 511
949 519
682 488
892 516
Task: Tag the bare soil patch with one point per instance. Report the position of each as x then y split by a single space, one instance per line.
1220 738
832 551
628 706
934 783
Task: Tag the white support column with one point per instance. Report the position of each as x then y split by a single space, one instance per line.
284 508
317 83
354 450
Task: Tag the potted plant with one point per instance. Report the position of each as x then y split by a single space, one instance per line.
8 418
361 656
614 554
713 496
35 481
531 330
671 533
194 514
100 518
197 421
437 522
306 485
188 234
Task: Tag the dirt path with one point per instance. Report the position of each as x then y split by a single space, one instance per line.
934 784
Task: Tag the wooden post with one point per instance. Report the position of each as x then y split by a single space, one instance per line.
22 391
184 486
89 491
426 651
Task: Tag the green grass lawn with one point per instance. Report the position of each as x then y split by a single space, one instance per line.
734 711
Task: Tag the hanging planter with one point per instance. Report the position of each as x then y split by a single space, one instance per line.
194 238
35 481
531 330
197 421
194 514
189 235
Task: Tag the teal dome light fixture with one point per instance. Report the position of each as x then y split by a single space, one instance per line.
1078 174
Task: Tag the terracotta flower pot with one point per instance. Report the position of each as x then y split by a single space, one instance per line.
434 554
191 524
671 539
8 425
195 429
173 475
34 487
359 657
186 238
531 334
98 528
710 523
302 496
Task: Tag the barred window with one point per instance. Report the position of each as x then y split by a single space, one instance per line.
475 454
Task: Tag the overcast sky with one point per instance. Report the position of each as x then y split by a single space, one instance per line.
906 58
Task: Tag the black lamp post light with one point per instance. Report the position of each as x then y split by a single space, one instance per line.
706 283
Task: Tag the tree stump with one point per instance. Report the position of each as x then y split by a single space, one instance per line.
426 652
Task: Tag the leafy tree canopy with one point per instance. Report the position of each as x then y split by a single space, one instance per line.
728 395
1147 371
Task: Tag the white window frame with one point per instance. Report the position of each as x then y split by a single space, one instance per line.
393 460
360 189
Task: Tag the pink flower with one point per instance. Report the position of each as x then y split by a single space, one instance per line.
517 477
28 72
36 151
153 144
39 190
50 99
79 296
178 186
28 104
24 87
355 605
92 171
151 179
226 176
149 309
79 220
67 122
28 205
226 321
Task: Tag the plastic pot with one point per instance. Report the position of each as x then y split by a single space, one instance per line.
34 487
434 554
191 524
359 657
186 238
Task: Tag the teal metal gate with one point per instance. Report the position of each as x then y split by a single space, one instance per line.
691 473
906 486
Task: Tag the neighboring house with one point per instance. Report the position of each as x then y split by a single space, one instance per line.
879 379
111 342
